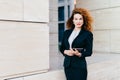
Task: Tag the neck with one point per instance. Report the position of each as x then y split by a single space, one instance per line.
77 29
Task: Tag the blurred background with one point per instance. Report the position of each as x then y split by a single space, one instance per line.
31 32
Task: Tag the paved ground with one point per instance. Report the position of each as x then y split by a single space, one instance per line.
101 57
104 67
57 63
101 66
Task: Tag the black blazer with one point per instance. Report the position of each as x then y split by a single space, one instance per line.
83 40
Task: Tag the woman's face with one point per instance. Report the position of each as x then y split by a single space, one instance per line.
78 20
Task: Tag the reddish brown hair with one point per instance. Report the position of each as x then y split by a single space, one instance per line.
86 17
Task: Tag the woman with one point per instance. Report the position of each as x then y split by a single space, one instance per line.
77 44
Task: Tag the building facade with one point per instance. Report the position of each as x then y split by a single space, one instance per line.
24 38
106 24
31 32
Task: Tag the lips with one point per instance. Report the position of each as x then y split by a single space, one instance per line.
78 24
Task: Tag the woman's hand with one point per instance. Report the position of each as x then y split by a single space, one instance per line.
72 52
69 52
77 53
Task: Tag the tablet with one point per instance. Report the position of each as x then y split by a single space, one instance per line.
79 49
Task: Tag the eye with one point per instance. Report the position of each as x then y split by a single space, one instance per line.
75 18
81 19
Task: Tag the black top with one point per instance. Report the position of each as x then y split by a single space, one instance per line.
83 40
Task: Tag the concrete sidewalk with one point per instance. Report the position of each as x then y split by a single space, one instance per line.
100 67
101 57
104 67
95 58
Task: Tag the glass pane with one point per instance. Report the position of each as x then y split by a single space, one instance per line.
61 13
68 11
68 0
61 0
61 30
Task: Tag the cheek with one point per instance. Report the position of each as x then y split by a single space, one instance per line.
82 22
74 21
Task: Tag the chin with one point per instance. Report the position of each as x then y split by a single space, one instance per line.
78 26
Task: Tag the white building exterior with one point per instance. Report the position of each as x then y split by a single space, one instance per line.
24 37
106 24
29 40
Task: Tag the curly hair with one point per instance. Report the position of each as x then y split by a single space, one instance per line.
86 17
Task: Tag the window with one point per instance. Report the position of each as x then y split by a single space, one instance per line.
61 13
61 23
61 30
64 8
61 0
68 11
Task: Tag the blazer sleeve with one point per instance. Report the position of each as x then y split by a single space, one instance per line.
62 46
89 46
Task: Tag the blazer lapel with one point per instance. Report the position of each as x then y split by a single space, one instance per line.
77 37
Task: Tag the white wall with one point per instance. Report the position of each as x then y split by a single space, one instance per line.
25 10
24 37
56 58
106 24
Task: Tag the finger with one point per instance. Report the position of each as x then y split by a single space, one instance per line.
76 50
71 49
